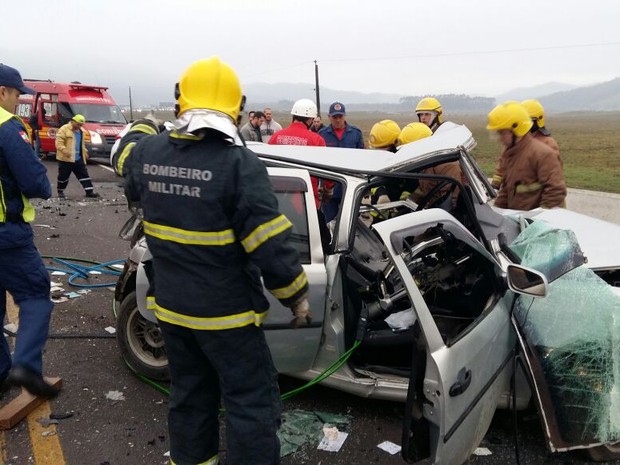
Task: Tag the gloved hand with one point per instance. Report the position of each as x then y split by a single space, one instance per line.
301 310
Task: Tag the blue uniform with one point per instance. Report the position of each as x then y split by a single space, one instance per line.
22 272
352 138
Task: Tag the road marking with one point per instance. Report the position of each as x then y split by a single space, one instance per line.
2 448
46 449
105 167
44 439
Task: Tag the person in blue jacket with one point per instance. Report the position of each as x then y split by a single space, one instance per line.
22 272
339 133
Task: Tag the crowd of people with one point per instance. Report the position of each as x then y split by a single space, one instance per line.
232 232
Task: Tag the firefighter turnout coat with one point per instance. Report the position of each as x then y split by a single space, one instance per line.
532 176
212 224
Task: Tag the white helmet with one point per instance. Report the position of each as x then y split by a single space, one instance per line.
304 107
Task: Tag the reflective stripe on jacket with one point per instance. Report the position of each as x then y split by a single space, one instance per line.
212 224
8 192
138 130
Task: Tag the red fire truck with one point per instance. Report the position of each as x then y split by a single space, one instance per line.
55 103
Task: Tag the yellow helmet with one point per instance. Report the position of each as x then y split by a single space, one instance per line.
210 84
511 116
536 111
430 105
383 134
413 132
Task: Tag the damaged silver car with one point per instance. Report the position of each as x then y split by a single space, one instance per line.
428 302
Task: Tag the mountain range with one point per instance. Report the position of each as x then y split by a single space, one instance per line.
555 96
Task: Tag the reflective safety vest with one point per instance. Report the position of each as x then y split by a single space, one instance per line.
27 214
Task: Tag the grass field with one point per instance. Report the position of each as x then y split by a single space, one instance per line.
589 143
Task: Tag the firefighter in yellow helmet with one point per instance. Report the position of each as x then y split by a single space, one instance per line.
383 135
212 224
429 112
539 130
532 172
416 131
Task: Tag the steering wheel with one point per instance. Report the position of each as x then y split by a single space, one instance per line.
429 201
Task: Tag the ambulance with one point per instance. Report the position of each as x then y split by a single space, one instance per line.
55 103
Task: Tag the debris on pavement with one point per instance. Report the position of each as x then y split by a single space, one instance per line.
333 439
389 447
110 329
61 416
115 395
301 427
482 451
45 422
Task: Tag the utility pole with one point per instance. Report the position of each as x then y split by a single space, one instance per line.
130 106
316 87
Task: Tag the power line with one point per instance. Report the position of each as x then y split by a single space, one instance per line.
476 52
433 55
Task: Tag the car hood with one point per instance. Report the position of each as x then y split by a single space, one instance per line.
598 239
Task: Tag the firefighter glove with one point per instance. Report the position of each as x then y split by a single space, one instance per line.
301 311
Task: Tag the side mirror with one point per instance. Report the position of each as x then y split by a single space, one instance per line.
526 281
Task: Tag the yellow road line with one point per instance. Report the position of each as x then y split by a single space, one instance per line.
2 448
11 317
45 442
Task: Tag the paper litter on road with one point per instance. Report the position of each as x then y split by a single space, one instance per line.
119 266
333 439
482 451
94 272
72 295
55 284
389 447
115 395
59 300
58 273
110 329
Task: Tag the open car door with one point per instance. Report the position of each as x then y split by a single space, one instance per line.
294 350
466 344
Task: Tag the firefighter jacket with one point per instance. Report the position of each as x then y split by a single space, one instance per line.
533 176
452 170
138 130
65 144
212 224
546 139
22 177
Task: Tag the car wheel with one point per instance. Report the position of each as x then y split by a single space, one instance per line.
141 341
604 453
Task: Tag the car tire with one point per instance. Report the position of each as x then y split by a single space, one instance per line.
604 453
140 341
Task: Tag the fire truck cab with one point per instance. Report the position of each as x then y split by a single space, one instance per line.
54 104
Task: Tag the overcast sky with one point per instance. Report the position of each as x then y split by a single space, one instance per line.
409 47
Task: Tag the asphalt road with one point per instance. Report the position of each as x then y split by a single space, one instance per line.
132 430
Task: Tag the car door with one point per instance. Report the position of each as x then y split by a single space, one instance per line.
467 343
294 350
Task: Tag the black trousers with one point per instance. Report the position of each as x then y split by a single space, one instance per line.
65 168
234 365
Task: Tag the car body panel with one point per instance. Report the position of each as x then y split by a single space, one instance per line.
292 350
459 421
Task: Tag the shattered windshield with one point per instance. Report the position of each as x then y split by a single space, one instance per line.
572 339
